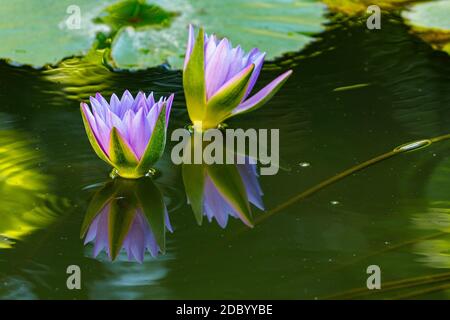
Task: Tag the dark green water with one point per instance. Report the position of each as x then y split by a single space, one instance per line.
395 214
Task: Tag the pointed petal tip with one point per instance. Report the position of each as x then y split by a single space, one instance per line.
286 74
84 107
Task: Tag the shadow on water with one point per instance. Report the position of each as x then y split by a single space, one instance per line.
353 95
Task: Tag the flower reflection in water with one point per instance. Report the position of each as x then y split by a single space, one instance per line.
222 190
216 204
127 215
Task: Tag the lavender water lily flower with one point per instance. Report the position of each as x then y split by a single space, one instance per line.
128 133
218 80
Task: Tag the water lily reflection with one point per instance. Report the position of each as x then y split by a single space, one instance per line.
221 191
127 215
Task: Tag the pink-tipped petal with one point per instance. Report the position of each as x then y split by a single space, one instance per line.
190 45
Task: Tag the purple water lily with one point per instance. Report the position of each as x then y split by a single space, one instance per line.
138 240
128 133
218 79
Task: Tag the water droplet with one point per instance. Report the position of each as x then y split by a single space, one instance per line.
151 172
304 164
114 173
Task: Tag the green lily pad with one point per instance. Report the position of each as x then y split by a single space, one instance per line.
36 32
430 21
275 26
136 13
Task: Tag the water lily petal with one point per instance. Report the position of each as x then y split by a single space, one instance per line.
156 144
102 101
194 80
227 98
98 108
140 133
258 99
236 63
217 68
210 48
120 152
190 45
150 101
259 61
90 126
114 103
169 108
125 103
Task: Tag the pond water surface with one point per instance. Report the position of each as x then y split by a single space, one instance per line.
354 94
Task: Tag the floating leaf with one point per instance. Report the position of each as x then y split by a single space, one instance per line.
136 13
37 32
275 26
431 22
